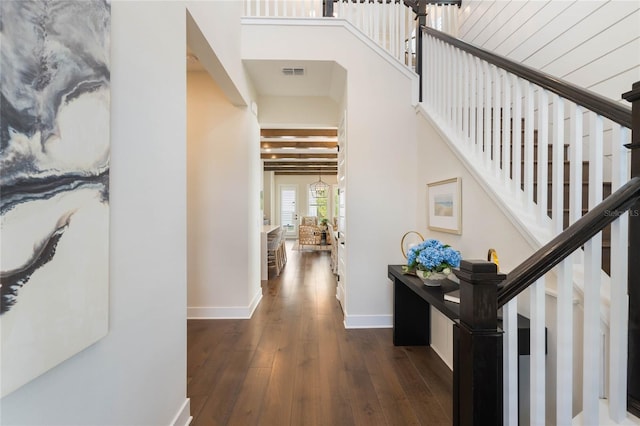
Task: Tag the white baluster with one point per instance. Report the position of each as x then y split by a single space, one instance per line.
432 67
557 172
479 108
593 261
375 15
564 275
466 65
393 29
543 155
413 42
348 10
460 83
564 370
537 358
453 87
369 11
496 111
575 171
448 84
442 91
385 23
402 34
575 167
427 78
487 115
506 129
438 66
528 143
510 358
473 109
443 78
517 138
618 323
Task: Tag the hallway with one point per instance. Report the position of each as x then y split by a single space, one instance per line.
293 363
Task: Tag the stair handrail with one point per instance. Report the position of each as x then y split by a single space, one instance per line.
569 240
605 107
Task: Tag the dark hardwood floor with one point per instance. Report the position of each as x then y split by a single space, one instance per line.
294 363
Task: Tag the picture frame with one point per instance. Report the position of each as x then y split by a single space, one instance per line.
444 206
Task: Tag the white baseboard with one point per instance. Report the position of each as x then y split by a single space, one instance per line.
441 353
368 321
183 417
340 295
255 302
225 312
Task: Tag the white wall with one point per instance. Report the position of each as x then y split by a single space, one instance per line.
269 194
381 152
303 111
223 200
214 35
225 176
136 375
484 226
594 44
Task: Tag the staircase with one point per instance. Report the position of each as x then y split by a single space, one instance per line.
544 183
566 170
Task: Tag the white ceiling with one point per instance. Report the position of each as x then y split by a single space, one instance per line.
321 78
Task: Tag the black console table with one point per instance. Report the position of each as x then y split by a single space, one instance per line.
411 315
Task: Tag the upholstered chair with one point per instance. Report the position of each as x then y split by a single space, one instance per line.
309 233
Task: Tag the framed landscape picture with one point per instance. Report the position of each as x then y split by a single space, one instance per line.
444 206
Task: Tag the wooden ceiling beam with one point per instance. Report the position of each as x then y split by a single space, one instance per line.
301 163
271 133
298 145
302 173
300 156
313 169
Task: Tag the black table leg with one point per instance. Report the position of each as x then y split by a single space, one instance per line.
411 322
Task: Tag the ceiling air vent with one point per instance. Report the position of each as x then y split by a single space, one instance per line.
293 71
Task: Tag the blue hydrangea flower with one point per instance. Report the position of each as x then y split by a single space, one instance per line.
432 255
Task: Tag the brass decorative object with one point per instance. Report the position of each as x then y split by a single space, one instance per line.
408 241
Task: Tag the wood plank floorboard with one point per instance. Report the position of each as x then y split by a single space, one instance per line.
294 363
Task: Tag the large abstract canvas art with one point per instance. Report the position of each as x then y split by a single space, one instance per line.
54 182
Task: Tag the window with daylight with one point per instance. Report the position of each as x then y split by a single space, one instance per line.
318 206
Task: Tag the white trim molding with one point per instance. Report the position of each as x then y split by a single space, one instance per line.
225 312
183 417
368 321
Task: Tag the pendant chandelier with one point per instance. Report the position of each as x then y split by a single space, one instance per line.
319 188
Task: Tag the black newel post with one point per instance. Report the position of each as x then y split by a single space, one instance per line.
633 361
477 347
